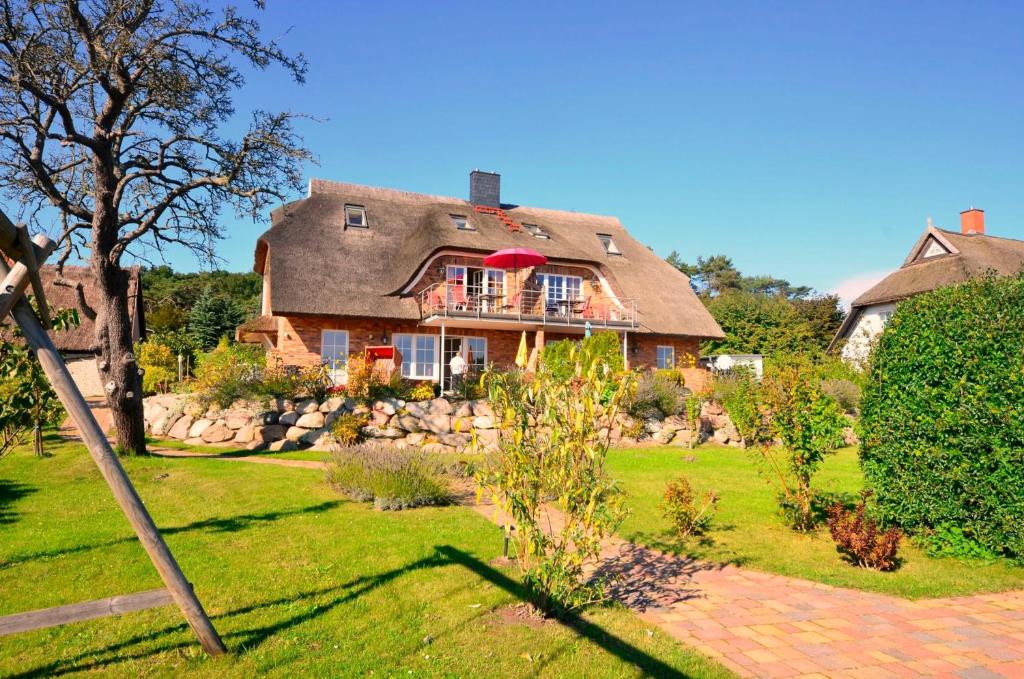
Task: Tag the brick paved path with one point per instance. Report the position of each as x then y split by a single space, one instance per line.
764 625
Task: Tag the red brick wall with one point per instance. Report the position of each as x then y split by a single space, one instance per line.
298 342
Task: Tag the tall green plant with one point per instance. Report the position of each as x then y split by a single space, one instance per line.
27 400
550 477
809 424
739 392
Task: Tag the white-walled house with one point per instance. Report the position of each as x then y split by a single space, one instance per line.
938 258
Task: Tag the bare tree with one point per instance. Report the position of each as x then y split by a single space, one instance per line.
111 118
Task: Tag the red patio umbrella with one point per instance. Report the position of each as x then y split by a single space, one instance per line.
514 258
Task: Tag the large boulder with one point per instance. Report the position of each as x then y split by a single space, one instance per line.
334 404
406 422
439 423
237 419
415 438
383 433
388 406
482 409
440 406
217 433
288 418
379 419
283 446
269 433
180 428
198 427
464 409
455 440
245 434
313 420
462 424
314 435
483 422
308 406
167 420
418 408
295 433
487 438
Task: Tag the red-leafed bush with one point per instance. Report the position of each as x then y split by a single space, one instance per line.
859 537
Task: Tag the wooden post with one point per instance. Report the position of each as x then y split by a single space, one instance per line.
109 465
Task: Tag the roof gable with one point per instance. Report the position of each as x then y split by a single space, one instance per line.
954 258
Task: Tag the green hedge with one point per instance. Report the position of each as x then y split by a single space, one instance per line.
943 416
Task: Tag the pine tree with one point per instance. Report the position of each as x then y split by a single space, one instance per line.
213 317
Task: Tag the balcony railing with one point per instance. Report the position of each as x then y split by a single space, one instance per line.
444 300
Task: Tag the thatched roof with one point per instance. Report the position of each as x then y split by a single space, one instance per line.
966 257
317 266
65 296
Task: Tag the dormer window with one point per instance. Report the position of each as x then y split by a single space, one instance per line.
610 248
934 249
355 215
536 231
462 223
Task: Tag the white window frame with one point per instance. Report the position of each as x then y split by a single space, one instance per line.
565 278
671 356
410 359
349 209
537 231
466 225
610 248
339 375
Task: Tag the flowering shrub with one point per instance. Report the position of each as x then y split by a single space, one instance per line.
388 477
348 428
423 391
859 537
688 516
159 365
227 373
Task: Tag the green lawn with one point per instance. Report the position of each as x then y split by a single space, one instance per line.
299 582
748 531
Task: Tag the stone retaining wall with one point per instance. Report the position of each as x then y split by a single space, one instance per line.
437 424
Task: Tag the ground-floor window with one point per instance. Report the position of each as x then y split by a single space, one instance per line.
419 356
666 357
334 352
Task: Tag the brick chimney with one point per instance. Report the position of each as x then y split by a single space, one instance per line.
972 221
485 188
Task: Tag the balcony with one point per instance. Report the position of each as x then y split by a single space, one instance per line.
473 306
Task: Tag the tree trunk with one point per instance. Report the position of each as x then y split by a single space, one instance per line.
119 373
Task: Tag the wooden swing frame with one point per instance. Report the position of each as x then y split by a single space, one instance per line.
28 254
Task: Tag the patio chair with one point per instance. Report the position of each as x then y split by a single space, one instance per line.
512 301
457 296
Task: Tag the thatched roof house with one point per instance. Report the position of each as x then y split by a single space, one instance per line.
938 258
78 345
366 264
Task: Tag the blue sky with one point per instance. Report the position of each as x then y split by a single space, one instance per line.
806 140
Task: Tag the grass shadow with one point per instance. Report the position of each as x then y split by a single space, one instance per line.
11 492
618 647
243 640
229 524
